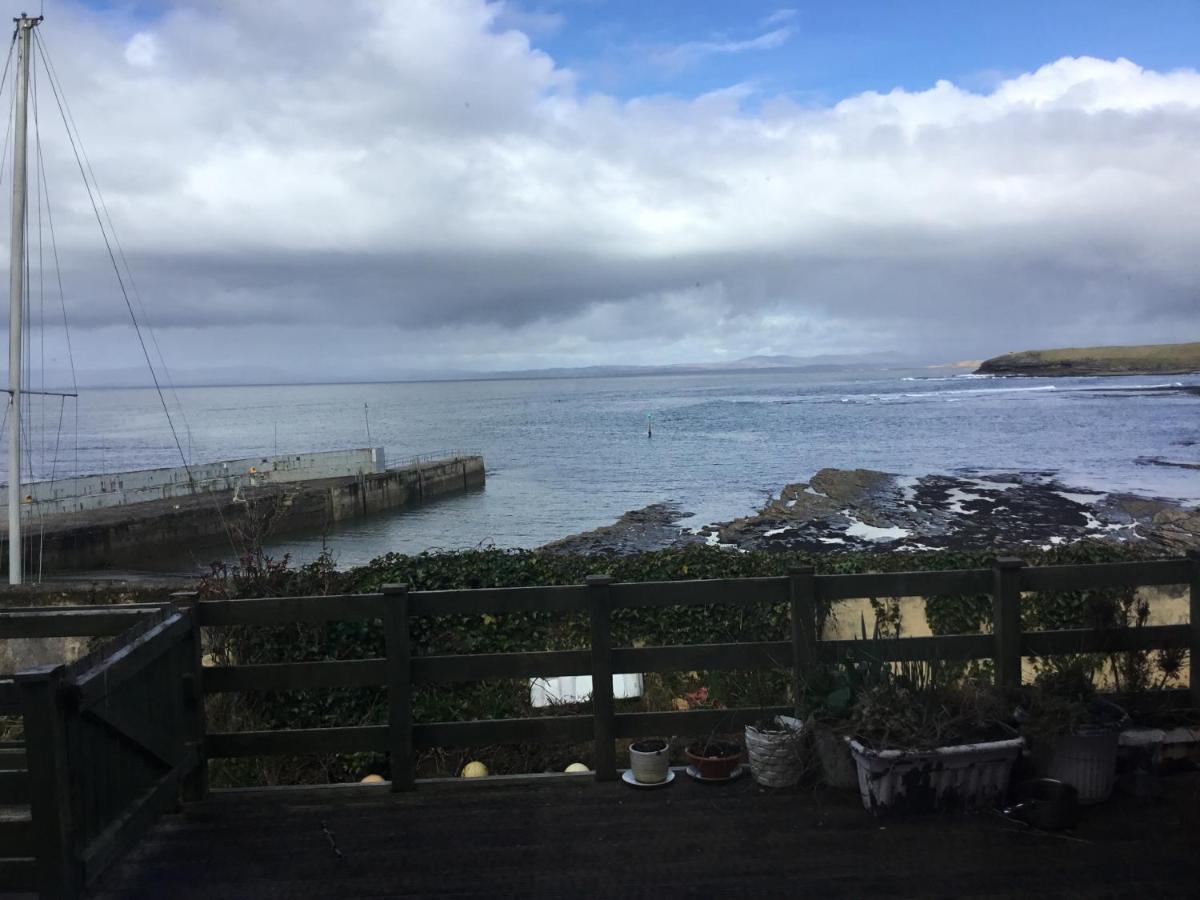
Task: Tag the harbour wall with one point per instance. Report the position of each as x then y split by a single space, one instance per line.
87 492
217 524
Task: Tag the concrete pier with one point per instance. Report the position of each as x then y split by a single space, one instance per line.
236 519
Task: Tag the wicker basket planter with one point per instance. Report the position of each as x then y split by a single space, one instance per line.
776 756
969 776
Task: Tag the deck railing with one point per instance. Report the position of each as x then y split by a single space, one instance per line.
803 590
118 736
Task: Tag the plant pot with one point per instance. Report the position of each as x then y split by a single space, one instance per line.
649 761
837 763
776 756
1086 760
714 759
1159 750
968 776
1045 803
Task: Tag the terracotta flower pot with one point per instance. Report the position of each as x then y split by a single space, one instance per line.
715 759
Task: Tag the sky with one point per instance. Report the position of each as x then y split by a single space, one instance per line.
371 190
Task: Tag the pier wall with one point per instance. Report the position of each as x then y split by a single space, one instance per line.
212 525
88 492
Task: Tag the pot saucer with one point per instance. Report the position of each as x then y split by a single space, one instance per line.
627 777
733 776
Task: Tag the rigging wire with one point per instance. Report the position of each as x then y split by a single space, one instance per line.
62 298
137 295
40 182
76 146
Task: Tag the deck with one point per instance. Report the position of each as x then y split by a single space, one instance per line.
119 737
572 837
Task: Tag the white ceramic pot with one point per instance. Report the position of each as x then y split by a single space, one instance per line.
968 776
649 766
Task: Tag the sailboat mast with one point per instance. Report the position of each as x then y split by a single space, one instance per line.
16 274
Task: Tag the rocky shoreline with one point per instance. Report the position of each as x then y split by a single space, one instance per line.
654 527
854 510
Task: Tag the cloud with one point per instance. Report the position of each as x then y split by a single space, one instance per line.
142 50
530 21
681 56
429 191
778 17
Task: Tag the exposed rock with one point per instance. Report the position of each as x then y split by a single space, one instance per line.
654 527
1171 463
862 509
851 487
873 510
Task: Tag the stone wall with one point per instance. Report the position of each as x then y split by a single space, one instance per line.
88 492
126 536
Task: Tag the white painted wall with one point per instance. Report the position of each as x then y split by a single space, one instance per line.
545 692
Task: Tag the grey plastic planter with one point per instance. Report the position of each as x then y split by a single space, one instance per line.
1086 760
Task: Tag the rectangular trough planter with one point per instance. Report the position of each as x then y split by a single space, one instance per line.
968 776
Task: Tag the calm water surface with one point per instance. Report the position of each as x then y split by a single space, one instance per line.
565 455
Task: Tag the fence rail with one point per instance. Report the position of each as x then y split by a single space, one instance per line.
435 456
803 590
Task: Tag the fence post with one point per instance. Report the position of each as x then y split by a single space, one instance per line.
1194 619
58 871
603 709
1006 620
802 587
399 668
195 784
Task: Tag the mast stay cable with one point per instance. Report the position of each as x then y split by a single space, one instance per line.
76 146
116 238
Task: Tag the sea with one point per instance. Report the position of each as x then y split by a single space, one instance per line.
565 455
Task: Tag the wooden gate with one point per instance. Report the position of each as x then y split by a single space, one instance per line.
118 733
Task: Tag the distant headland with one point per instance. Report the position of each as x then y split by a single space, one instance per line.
1148 359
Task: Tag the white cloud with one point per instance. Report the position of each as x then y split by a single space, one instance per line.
681 56
530 21
779 16
427 189
142 50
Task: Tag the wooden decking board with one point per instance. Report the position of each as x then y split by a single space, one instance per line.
578 838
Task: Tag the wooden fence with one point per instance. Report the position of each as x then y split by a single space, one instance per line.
118 736
803 591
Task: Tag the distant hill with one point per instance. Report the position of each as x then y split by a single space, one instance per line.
1149 359
746 364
